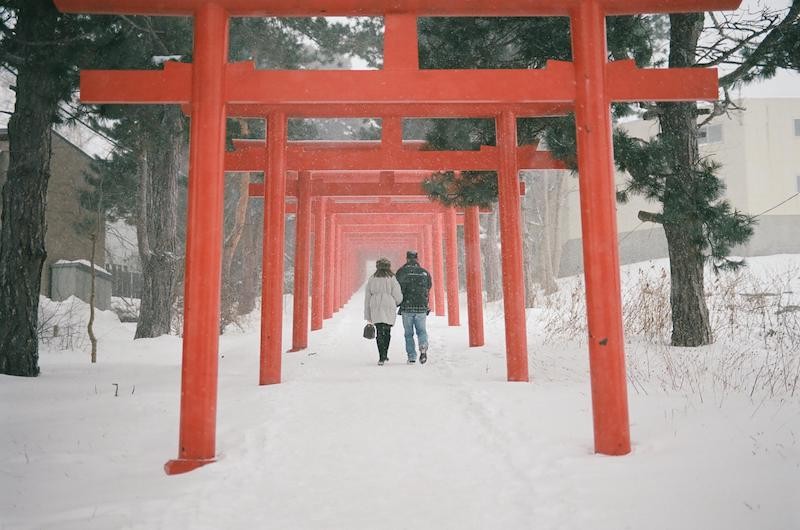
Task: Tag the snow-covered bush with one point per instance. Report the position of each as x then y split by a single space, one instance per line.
127 309
62 325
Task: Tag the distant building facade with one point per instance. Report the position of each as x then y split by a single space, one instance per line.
759 151
122 260
65 241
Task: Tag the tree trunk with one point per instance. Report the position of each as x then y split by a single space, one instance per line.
683 228
555 193
157 224
90 325
24 196
532 257
251 260
230 293
541 216
492 270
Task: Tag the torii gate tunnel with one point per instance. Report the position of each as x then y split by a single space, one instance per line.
214 88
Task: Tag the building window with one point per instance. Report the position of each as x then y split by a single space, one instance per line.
797 127
709 134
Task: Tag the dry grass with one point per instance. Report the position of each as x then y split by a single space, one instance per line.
755 320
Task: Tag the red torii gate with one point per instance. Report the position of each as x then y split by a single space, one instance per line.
304 188
351 275
370 208
388 155
210 83
472 264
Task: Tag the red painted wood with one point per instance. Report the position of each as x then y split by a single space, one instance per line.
599 229
251 156
474 277
330 266
356 189
511 243
318 269
202 280
451 262
438 266
302 257
272 269
379 7
209 87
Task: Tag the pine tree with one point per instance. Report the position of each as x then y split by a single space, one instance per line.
149 162
146 171
699 224
511 43
44 48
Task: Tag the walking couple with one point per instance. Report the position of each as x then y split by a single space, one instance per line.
408 289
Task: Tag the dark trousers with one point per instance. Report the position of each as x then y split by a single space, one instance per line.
383 334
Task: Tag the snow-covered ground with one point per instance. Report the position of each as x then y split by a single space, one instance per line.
346 444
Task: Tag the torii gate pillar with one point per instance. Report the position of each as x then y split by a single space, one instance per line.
472 248
438 266
451 257
338 271
511 241
302 256
318 273
330 267
274 230
599 228
428 261
203 274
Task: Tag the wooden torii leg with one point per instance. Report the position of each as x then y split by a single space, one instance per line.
438 266
274 233
302 255
474 276
318 273
202 278
511 242
599 228
427 259
451 257
330 266
337 279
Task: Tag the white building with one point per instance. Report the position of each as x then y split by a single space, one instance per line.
759 151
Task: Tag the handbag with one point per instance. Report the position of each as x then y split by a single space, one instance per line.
369 331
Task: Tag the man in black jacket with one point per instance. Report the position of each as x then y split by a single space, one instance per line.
415 283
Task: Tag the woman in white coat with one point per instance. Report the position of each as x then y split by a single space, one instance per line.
381 298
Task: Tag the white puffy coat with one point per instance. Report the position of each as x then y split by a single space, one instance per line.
381 298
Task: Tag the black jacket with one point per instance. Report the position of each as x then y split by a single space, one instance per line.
415 283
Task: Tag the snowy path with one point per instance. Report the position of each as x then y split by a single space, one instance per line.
345 444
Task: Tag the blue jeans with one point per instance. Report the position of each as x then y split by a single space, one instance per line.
411 322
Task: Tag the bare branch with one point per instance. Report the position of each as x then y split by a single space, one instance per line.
650 217
764 47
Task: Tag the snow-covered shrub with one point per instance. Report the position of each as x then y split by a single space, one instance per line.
127 309
62 325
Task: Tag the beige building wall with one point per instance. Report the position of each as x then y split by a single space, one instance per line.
759 151
63 239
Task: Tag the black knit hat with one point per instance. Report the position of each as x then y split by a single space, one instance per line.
411 254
